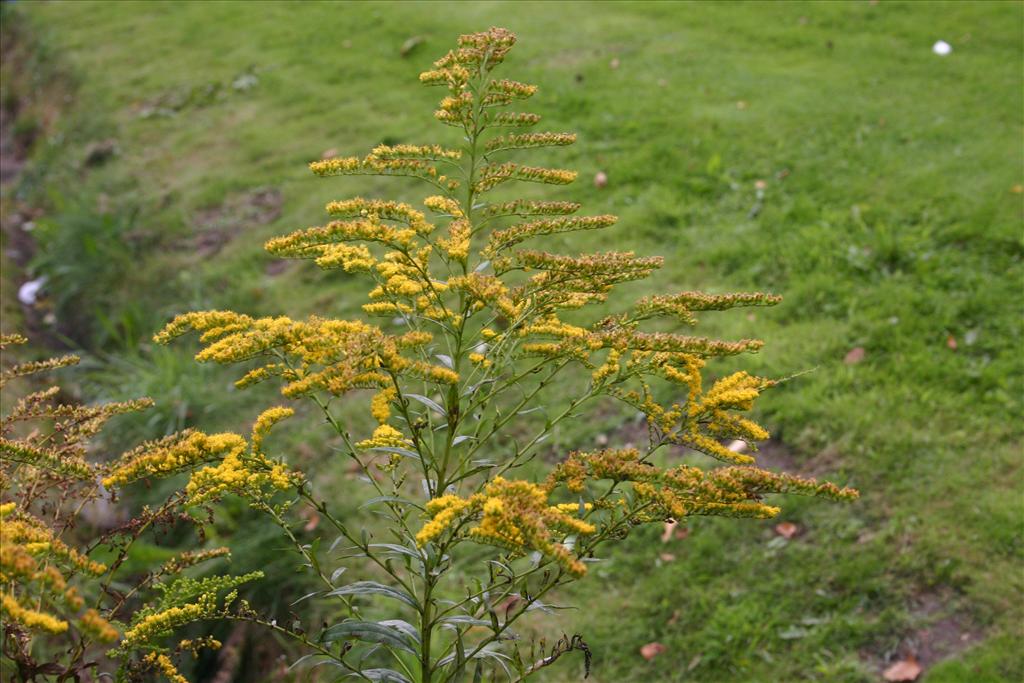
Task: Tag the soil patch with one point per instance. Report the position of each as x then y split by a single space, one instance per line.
218 225
941 633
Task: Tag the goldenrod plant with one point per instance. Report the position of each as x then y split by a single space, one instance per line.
71 605
476 324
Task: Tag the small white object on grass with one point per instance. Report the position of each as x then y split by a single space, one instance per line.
942 48
29 291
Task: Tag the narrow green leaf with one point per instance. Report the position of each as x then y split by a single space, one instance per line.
368 632
374 588
433 405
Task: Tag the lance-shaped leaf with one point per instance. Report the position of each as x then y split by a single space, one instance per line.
375 588
369 632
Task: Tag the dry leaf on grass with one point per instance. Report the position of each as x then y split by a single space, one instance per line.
312 520
667 557
670 526
786 529
904 670
855 355
411 44
651 650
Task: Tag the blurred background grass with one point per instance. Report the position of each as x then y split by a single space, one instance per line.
817 150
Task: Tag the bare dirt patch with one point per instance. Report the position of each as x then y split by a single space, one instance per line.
941 633
216 226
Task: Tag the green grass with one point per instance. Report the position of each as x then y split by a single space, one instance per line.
889 222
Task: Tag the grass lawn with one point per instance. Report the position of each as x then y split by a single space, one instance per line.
821 151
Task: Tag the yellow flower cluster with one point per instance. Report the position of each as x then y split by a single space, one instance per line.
99 628
502 143
513 119
684 490
380 405
376 165
487 291
428 152
504 91
265 422
384 436
480 359
477 53
161 623
55 460
503 239
313 242
194 645
191 558
571 281
232 464
176 453
702 423
253 477
514 515
31 619
684 304
551 326
493 175
351 354
444 206
609 368
351 258
443 511
380 209
164 665
23 536
32 367
526 207
456 244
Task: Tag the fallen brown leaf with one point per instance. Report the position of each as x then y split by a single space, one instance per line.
786 529
651 650
903 670
508 603
667 557
951 342
411 44
674 619
855 355
614 64
670 526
